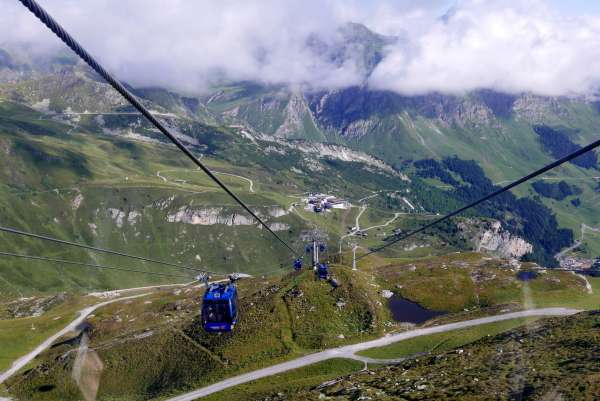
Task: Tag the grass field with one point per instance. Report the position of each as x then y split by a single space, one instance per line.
454 282
570 299
19 336
542 358
443 341
280 319
289 382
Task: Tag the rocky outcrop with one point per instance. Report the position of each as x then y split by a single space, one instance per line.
490 237
279 226
133 217
211 216
295 111
117 216
472 113
208 217
277 212
537 109
358 129
77 202
327 150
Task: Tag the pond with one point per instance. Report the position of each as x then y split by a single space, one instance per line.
526 275
404 310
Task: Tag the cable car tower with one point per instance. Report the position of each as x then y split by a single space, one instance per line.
317 244
316 240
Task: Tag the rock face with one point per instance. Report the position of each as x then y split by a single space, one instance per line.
77 201
117 215
208 217
295 111
279 226
322 150
535 109
492 238
338 152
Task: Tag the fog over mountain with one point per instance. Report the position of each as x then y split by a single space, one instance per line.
509 46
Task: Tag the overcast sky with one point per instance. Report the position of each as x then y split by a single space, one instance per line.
548 47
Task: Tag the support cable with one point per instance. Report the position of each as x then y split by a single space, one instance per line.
90 265
96 249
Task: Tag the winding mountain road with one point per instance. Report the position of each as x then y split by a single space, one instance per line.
387 223
350 351
250 182
251 189
357 222
578 242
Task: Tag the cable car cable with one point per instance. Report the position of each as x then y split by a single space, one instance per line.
90 265
93 248
44 17
506 188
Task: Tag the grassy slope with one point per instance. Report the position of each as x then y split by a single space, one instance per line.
404 137
19 336
279 320
110 172
457 281
289 382
548 359
443 341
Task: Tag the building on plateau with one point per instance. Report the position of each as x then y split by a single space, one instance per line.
320 202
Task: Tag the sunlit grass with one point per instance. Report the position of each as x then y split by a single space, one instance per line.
20 336
289 382
443 341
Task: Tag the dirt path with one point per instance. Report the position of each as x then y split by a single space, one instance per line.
577 244
251 189
357 222
387 223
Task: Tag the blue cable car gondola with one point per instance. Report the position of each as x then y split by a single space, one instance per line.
219 307
298 264
323 271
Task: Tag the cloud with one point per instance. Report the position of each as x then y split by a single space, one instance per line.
512 46
507 46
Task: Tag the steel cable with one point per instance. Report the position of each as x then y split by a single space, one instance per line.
90 265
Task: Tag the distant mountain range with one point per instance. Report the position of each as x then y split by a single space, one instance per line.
507 135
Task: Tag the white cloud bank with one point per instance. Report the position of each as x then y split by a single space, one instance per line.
511 46
488 44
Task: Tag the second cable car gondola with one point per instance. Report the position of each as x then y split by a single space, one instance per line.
219 307
323 271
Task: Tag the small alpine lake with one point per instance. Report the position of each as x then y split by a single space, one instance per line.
526 275
407 311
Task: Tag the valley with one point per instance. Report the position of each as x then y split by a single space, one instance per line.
79 164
